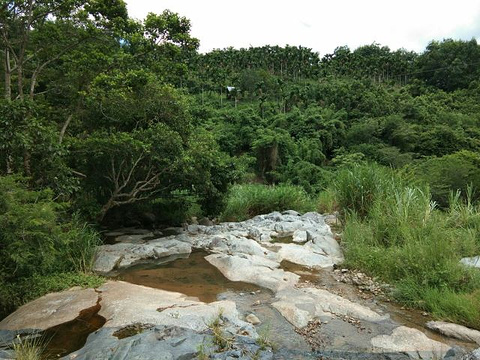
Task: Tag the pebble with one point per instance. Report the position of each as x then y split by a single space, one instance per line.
253 319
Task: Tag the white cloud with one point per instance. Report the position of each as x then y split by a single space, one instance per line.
321 25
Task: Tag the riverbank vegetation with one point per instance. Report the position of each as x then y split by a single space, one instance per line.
396 232
109 121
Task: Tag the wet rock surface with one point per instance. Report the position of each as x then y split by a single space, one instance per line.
302 303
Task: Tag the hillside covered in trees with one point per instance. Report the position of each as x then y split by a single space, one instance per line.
104 119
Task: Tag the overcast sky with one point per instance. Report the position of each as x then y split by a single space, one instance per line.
319 24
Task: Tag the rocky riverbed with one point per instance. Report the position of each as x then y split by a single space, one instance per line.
264 288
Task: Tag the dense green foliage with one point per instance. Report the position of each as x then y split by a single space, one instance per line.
103 115
395 232
36 243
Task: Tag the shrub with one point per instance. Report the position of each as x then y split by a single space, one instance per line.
246 201
38 246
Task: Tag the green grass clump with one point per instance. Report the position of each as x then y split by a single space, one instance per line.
246 201
358 187
396 232
28 348
327 202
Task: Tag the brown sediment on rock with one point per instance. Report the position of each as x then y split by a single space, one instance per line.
131 330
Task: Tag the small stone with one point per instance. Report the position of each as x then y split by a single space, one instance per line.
241 294
253 293
252 319
344 271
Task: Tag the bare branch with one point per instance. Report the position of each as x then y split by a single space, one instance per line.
64 128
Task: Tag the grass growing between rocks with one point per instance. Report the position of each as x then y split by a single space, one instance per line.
247 201
29 348
395 232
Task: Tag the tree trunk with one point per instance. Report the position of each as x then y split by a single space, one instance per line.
20 80
9 164
8 76
27 157
64 128
104 210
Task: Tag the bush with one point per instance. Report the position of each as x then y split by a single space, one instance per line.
246 201
36 244
17 293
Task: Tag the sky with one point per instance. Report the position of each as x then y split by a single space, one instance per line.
319 24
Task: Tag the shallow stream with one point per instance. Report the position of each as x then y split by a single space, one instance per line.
193 276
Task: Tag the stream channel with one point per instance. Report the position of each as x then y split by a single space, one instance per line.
195 277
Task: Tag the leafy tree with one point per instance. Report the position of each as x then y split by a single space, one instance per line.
450 64
123 168
450 173
34 36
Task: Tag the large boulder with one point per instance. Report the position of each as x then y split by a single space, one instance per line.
306 255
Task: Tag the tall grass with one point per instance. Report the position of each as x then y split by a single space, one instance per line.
246 201
394 231
358 187
80 247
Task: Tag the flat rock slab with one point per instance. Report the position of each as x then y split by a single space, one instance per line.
254 270
51 310
303 255
122 255
299 306
160 343
411 341
455 331
125 304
